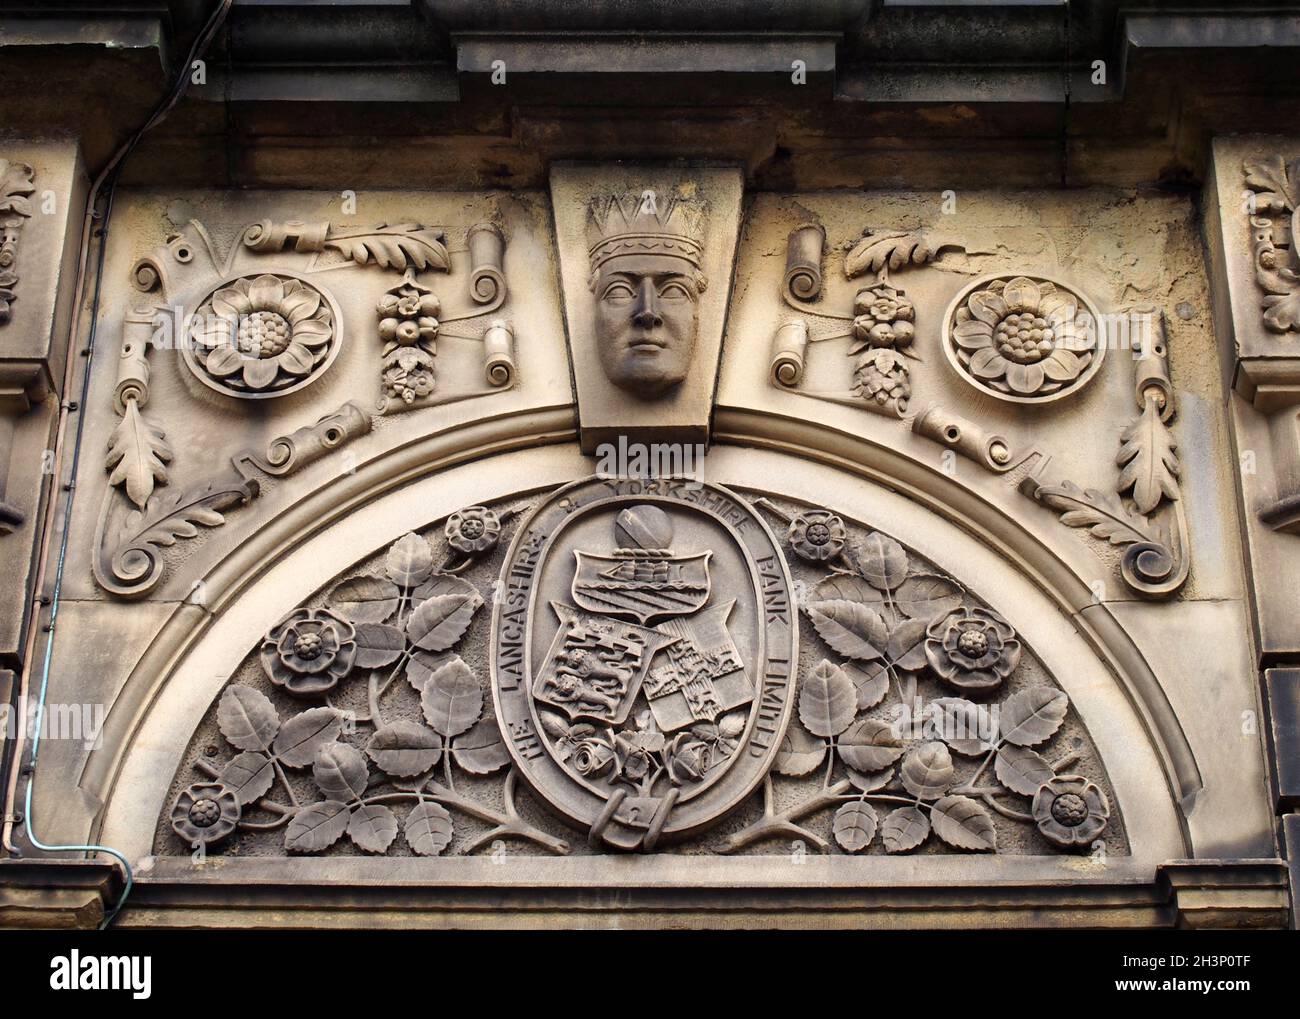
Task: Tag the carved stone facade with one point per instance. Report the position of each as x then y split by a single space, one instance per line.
648 514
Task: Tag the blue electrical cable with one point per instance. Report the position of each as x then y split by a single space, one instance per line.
111 176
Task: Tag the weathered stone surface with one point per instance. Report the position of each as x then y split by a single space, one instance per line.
394 547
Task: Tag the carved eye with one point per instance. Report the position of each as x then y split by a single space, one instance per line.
618 291
674 291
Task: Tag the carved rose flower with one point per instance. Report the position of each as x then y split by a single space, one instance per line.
688 758
473 530
884 317
309 651
1022 336
263 332
206 813
817 535
636 753
591 755
972 649
1070 811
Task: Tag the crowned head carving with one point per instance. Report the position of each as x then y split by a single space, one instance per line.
645 251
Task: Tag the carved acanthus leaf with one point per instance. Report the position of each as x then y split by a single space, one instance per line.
137 455
405 246
1277 184
893 249
1149 460
1103 514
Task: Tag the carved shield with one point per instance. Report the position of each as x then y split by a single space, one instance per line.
643 587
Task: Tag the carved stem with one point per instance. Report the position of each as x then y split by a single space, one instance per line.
783 823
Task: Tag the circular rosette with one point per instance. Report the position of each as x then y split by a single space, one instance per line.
309 651
205 813
257 337
473 530
972 649
1023 339
817 535
1070 811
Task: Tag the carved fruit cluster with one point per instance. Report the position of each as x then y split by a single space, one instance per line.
408 326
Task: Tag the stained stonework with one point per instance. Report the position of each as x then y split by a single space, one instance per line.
730 487
910 719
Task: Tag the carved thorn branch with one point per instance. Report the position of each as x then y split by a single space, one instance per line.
783 823
507 824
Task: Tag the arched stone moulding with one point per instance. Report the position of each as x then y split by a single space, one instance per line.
201 652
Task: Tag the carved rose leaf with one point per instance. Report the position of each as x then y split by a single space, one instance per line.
843 587
855 826
249 776
553 725
871 681
964 726
850 628
422 665
410 560
927 772
907 644
405 749
440 621
452 698
428 829
480 750
828 700
904 829
378 644
1021 770
870 782
800 752
247 718
304 734
365 599
927 597
316 827
373 827
340 772
964 824
1032 716
869 745
882 561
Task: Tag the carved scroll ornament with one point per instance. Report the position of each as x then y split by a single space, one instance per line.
880 330
258 335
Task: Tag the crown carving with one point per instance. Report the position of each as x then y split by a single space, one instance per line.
644 223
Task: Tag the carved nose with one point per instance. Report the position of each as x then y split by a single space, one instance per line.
646 315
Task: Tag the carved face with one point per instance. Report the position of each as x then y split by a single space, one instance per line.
647 311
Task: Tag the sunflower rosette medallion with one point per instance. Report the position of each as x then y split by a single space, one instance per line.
1023 339
258 337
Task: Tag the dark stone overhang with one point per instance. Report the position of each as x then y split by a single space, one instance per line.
600 77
